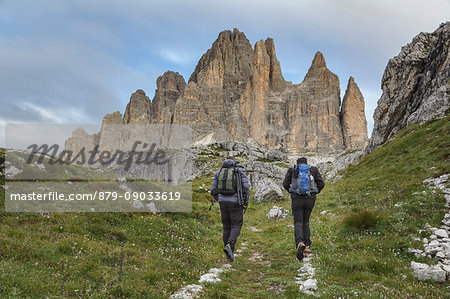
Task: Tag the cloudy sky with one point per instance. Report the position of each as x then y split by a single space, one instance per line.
74 61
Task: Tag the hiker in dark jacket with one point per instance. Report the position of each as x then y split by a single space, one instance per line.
231 211
302 203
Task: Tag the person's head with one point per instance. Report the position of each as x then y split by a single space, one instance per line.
302 160
229 162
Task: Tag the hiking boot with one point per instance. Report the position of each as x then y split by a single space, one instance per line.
307 251
229 252
300 249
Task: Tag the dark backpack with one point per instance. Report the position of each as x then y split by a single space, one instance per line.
226 181
303 181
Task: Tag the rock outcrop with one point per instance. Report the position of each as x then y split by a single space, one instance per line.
138 109
108 140
227 64
238 93
415 85
169 88
312 110
81 139
353 117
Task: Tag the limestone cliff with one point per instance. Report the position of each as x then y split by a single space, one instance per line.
415 85
353 117
108 140
237 93
138 109
169 88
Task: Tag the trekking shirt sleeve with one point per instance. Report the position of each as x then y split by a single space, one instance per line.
287 179
318 178
214 186
246 187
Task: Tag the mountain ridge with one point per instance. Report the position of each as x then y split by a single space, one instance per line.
238 93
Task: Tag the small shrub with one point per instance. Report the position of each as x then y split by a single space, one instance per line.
361 220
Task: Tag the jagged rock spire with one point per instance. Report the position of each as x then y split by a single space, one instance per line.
353 117
138 109
277 81
318 68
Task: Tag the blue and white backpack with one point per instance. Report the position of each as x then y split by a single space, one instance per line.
303 181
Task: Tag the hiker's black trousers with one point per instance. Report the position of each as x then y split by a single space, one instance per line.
232 218
302 207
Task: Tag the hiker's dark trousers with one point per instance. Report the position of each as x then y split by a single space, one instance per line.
302 207
232 218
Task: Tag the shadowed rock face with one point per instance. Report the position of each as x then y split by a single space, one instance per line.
238 93
227 64
138 109
353 117
169 88
415 85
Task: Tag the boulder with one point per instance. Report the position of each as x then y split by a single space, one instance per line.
425 272
267 190
441 233
277 213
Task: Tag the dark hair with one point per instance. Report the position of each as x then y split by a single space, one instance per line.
230 158
302 160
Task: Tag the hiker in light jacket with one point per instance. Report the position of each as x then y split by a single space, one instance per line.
232 213
302 202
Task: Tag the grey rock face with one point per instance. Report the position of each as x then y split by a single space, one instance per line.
415 85
267 190
330 170
265 178
81 139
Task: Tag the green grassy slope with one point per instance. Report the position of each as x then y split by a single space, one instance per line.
360 248
377 209
106 254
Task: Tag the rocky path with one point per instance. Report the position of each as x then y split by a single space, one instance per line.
194 290
305 277
438 244
212 276
264 267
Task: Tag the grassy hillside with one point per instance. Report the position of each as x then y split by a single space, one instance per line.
378 208
106 254
360 247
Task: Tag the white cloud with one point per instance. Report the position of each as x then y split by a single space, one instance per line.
46 114
175 56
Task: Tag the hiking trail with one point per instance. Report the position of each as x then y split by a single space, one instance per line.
262 265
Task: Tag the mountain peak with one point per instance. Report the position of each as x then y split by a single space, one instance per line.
319 70
353 117
226 63
319 60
